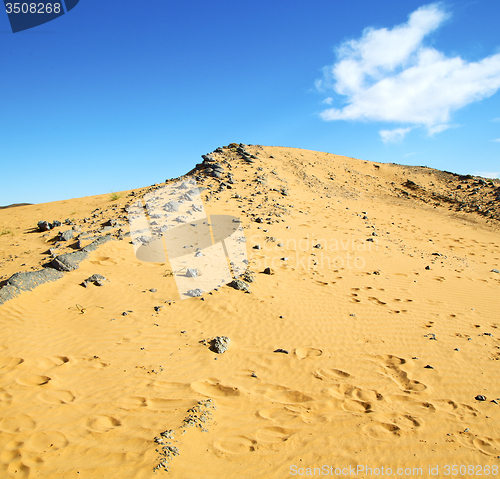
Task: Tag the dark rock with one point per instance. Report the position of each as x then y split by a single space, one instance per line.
257 246
66 235
56 224
30 280
96 279
428 367
152 290
427 268
480 397
220 344
248 276
284 351
69 261
43 226
239 285
95 244
158 308
495 271
68 222
26 282
268 271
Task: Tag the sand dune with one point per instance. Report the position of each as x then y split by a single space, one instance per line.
384 301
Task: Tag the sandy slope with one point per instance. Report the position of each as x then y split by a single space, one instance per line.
85 394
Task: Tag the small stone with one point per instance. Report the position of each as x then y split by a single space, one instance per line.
239 285
43 226
220 344
480 397
495 271
257 246
158 308
66 235
191 273
279 350
152 290
195 292
427 268
268 271
428 367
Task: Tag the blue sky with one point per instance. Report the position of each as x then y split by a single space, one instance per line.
119 95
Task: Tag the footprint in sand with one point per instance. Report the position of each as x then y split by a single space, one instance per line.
281 394
5 398
274 434
280 415
236 445
392 370
47 441
326 374
353 405
57 397
6 457
33 380
10 363
486 445
308 353
17 424
51 362
132 402
212 388
102 423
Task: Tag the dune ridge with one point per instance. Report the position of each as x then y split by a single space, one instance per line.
370 330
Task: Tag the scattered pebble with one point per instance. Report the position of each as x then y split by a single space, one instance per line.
284 351
480 397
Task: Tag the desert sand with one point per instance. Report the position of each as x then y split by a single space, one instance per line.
388 331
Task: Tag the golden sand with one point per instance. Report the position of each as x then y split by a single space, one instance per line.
85 390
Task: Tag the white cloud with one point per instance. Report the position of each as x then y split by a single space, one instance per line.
411 154
496 119
393 136
487 174
390 75
328 100
498 139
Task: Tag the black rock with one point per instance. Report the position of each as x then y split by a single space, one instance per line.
239 285
480 397
427 268
428 367
66 235
43 226
56 224
219 344
284 351
69 261
268 271
495 271
95 244
96 279
26 282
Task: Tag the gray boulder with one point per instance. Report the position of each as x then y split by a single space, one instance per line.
95 244
66 235
44 226
69 261
220 344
